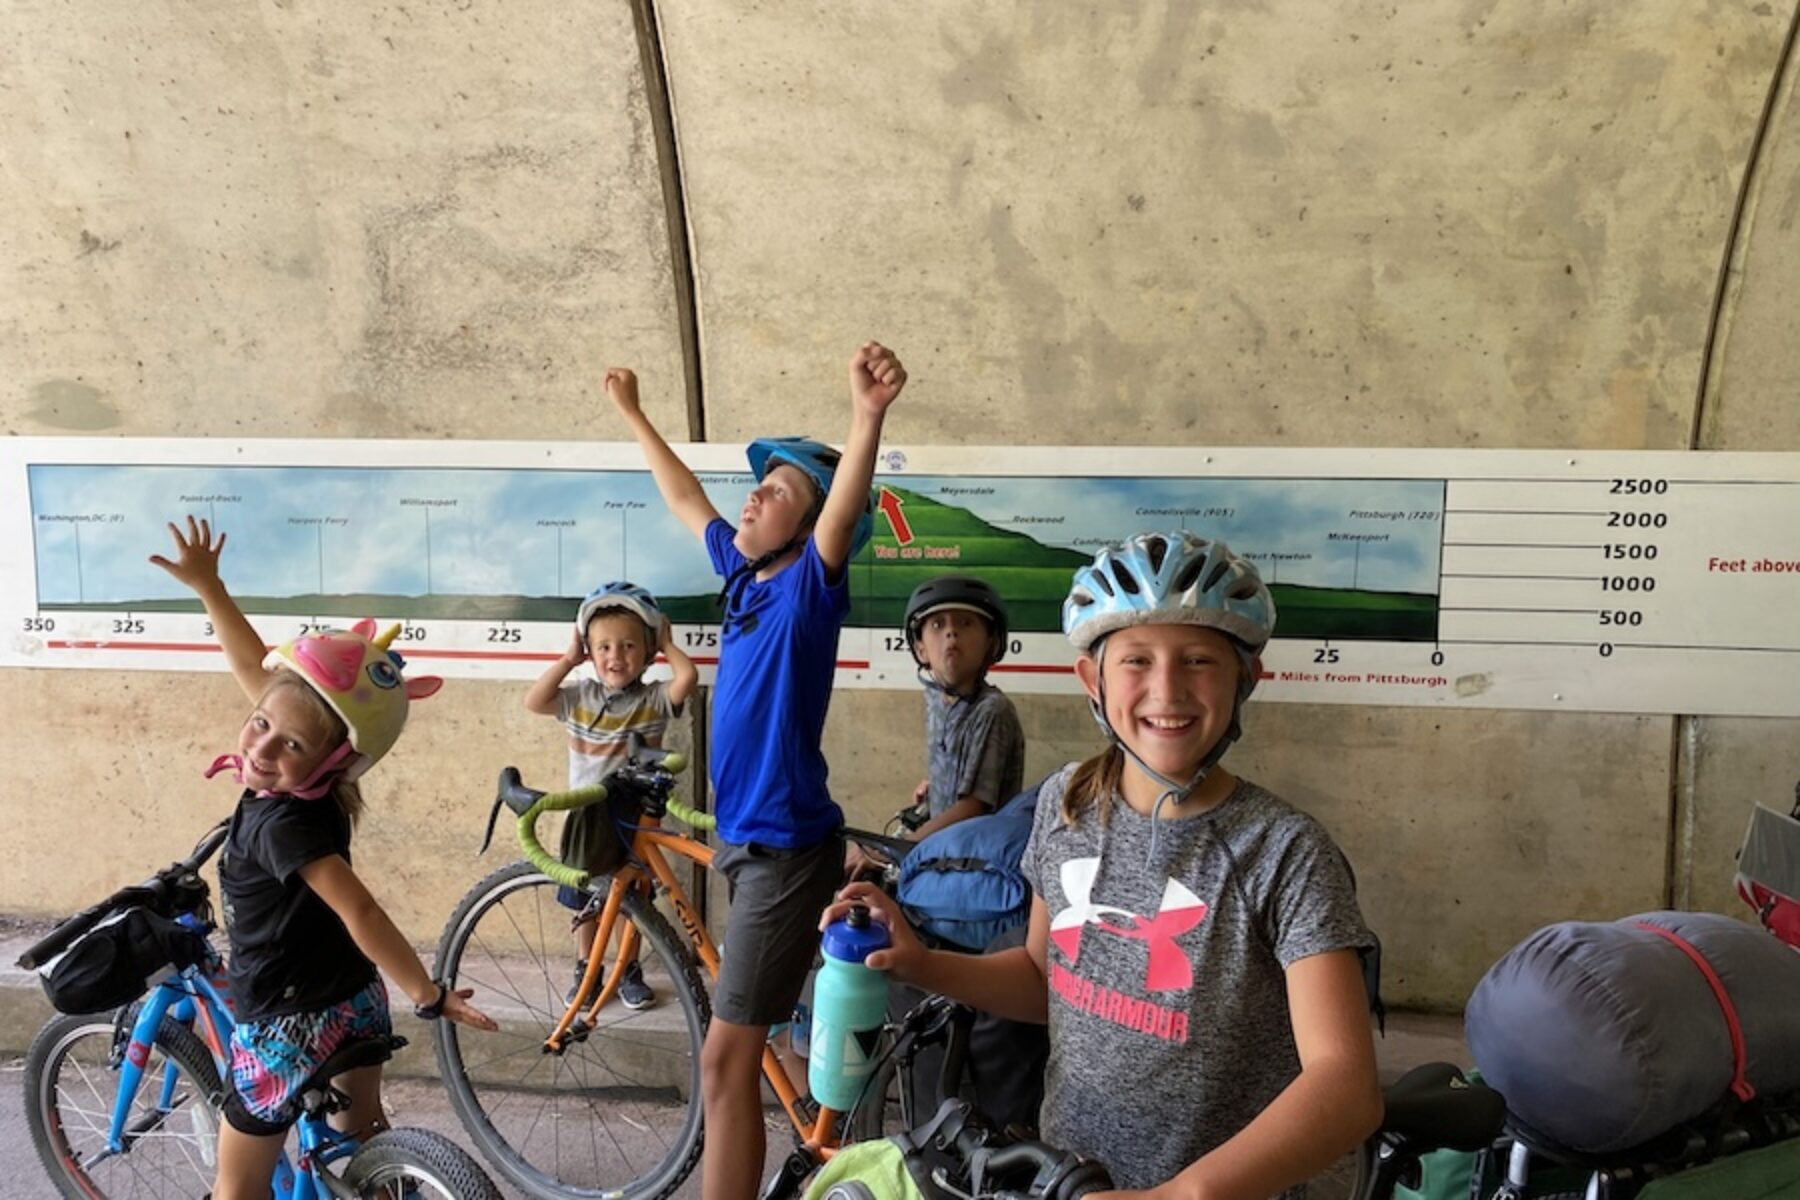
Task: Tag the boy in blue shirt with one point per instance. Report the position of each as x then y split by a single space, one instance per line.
786 592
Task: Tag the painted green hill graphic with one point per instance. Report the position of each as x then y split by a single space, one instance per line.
1032 577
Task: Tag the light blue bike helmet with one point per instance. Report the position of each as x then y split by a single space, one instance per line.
628 597
1175 578
818 462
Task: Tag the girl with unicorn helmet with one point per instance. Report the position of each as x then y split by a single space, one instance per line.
306 935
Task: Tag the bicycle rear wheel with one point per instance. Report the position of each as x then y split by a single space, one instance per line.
416 1164
618 1111
71 1081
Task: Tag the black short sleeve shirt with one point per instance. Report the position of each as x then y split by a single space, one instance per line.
289 952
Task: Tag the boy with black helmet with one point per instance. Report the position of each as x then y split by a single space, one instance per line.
786 594
619 629
974 745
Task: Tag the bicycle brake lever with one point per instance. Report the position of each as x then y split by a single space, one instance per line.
487 838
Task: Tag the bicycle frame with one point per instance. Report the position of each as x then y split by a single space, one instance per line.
650 869
192 998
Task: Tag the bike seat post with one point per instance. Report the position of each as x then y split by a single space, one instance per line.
1518 1168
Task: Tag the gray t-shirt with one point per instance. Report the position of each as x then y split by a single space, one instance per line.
973 748
1169 1026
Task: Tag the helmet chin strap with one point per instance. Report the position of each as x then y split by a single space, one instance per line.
750 568
928 679
321 781
1172 790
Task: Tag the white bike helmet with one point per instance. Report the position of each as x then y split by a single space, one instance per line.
628 597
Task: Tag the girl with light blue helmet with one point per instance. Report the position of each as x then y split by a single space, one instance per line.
1179 582
1193 940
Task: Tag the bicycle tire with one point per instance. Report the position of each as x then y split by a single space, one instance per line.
416 1163
879 1112
595 1119
69 1116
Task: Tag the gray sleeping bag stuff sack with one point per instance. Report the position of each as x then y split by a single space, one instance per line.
1603 1036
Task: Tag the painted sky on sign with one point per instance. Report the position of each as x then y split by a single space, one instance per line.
538 533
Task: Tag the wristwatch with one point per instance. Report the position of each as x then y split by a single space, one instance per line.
434 1010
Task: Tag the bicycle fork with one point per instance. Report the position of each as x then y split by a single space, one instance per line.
130 1055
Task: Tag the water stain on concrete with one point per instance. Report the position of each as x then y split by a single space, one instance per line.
1473 685
66 404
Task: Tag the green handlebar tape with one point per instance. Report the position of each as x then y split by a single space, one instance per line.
674 762
691 817
558 872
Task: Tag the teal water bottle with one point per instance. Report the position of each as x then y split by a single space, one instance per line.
849 1007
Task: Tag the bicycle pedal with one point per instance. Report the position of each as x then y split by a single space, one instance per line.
785 1182
573 1036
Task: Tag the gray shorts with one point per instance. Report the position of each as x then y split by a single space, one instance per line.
773 930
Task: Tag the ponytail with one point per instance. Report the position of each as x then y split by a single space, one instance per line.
349 799
1094 780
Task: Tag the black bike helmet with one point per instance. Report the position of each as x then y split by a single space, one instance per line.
956 591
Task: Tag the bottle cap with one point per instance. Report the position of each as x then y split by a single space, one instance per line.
855 937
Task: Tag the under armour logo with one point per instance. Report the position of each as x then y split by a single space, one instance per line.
1181 910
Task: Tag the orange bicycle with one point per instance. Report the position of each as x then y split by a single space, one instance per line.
578 1096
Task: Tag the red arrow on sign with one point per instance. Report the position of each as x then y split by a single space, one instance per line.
890 508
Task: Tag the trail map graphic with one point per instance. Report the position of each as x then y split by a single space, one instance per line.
1345 559
1617 581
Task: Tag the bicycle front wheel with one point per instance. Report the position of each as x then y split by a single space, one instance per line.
617 1111
169 1145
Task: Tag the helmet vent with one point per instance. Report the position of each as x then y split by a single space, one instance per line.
1243 589
1188 575
1158 549
1219 571
1122 575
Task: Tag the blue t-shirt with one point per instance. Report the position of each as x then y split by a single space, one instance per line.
777 657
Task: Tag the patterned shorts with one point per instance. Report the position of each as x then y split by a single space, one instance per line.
271 1059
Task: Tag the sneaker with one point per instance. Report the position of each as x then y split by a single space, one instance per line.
634 993
575 987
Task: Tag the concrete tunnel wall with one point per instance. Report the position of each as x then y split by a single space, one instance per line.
1459 224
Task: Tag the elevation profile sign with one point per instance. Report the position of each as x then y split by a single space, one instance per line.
1614 581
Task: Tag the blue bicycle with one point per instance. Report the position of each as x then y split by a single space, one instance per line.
128 1103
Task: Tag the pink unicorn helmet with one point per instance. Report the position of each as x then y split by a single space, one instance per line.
359 677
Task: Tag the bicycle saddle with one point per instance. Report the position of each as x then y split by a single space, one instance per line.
1435 1105
317 1093
891 848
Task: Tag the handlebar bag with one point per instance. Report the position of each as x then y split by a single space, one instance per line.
874 1170
117 960
1602 1036
597 839
964 884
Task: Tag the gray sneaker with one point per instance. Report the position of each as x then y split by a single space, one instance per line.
634 993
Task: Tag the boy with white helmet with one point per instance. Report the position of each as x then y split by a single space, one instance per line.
1187 926
619 629
786 593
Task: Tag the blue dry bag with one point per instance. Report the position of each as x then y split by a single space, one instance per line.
963 884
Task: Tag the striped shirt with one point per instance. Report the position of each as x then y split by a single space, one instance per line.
600 723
